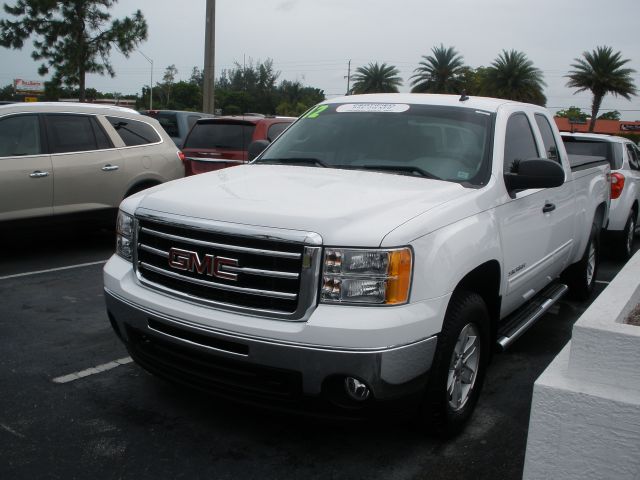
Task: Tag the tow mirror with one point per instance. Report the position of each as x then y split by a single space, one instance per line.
534 173
256 148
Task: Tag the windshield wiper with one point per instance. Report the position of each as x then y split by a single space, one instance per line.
399 168
295 161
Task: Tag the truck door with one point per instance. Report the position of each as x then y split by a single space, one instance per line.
526 224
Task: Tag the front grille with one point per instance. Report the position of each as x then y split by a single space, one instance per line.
254 273
210 372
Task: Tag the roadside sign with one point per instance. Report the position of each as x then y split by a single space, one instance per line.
30 99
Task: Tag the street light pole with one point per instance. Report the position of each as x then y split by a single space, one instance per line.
151 81
209 58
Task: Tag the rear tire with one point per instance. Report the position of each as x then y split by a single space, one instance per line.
459 365
623 245
581 276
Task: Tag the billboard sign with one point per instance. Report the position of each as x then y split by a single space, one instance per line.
28 86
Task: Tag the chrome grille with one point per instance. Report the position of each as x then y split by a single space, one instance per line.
263 274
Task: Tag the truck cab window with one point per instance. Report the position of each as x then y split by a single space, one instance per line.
519 143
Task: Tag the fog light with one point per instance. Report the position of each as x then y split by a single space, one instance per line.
356 389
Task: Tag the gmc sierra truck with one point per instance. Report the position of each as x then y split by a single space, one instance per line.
379 249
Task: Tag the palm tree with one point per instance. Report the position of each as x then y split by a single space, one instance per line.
513 76
376 78
440 72
601 72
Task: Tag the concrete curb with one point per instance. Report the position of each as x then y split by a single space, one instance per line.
585 412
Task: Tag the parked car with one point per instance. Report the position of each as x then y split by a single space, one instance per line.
67 158
176 123
378 250
624 158
223 142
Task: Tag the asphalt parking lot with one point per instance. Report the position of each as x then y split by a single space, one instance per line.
117 421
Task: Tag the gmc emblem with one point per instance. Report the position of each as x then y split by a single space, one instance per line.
210 265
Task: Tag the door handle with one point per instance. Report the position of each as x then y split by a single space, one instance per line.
39 174
109 168
548 207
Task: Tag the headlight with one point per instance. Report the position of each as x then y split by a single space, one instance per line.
125 227
366 276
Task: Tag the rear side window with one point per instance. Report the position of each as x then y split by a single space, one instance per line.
70 133
519 142
633 157
550 145
276 129
169 121
230 136
134 132
20 136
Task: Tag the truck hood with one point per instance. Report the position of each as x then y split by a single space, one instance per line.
346 207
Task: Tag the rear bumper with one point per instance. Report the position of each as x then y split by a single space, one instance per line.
233 363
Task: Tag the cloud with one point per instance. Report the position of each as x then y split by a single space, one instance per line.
287 5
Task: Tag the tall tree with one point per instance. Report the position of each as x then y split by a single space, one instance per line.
73 37
513 76
441 72
376 78
168 79
601 71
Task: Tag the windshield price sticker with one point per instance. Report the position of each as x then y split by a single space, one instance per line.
373 107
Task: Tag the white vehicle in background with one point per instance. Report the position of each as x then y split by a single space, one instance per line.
624 157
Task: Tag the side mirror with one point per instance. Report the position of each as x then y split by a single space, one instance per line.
256 148
535 173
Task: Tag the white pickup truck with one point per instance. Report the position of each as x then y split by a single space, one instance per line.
377 250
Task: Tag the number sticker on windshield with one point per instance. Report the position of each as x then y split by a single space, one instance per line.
373 107
315 112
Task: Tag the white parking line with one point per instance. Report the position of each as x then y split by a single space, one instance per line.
37 272
603 282
92 371
11 431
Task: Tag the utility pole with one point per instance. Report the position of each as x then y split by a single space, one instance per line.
209 58
348 77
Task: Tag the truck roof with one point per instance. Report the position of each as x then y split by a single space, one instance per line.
481 103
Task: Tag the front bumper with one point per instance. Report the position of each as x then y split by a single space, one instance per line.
234 363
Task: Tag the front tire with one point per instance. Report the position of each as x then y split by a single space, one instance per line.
459 365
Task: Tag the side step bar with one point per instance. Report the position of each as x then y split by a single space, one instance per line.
519 322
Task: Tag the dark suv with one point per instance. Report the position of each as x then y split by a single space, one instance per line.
215 143
176 123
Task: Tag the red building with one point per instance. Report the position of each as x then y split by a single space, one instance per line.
609 127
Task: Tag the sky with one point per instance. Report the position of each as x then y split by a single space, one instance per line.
313 40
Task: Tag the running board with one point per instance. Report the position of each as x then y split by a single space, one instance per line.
519 322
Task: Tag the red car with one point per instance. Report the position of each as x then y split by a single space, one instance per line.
215 143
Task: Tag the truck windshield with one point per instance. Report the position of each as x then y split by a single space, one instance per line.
445 143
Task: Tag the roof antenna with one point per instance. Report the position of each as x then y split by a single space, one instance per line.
463 96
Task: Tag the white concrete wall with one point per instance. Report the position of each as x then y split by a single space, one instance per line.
585 413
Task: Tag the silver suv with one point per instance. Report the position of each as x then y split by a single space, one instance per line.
624 157
66 158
